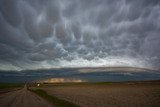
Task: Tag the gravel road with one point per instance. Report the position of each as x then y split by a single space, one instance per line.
22 98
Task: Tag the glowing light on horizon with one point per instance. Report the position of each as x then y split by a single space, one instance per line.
61 80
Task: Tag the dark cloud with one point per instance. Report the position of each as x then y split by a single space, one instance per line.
76 33
96 75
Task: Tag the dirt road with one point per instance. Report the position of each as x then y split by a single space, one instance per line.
22 98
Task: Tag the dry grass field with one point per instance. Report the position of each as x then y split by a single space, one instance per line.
128 94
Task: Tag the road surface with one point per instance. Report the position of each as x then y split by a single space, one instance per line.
22 98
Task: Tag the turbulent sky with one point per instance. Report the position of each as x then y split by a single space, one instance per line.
37 34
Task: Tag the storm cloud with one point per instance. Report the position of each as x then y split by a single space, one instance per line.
37 34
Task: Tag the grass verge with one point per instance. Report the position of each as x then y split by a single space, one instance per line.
54 100
10 85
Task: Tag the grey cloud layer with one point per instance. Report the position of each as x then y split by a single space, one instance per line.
41 33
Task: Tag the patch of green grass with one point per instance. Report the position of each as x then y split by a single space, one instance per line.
54 100
10 85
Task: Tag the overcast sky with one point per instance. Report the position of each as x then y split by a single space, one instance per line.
37 34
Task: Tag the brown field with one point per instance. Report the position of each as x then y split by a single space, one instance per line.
127 94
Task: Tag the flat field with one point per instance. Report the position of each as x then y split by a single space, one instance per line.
124 94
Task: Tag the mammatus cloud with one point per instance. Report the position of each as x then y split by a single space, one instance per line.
79 33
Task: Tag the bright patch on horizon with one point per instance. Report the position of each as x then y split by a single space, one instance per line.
61 80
